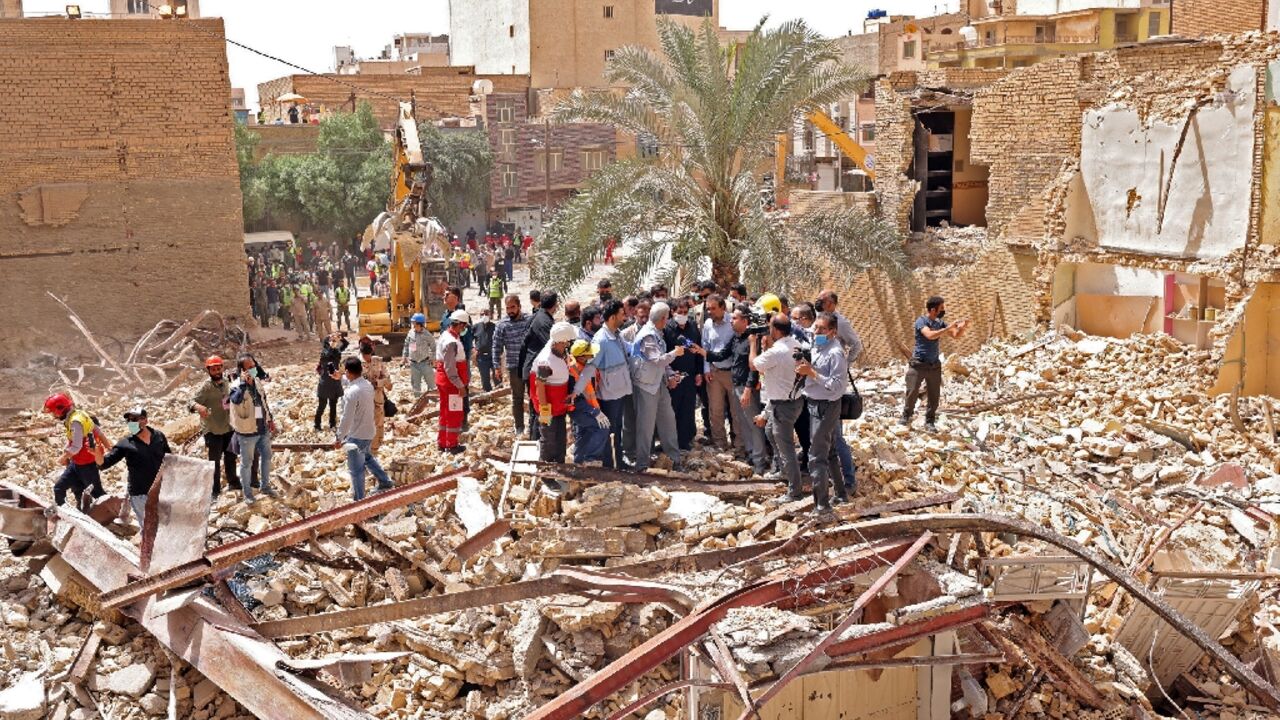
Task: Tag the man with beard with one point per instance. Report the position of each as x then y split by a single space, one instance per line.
210 402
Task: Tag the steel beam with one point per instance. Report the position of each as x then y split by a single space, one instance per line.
480 540
1045 657
852 615
1266 693
910 632
225 556
240 662
657 649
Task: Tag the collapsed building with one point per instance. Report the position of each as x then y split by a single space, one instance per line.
1091 536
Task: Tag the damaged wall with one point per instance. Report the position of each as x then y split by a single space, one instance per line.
1164 187
1195 18
118 181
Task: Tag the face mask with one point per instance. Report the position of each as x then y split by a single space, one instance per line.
821 340
942 314
253 372
680 319
134 428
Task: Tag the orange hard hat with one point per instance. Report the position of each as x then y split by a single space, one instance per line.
213 361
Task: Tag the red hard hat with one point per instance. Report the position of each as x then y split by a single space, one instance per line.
58 403
213 361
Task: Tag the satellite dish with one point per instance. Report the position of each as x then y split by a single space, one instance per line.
482 87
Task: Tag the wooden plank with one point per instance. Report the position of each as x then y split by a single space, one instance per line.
1043 655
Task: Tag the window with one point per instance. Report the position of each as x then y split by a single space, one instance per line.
507 141
868 132
608 55
989 37
557 161
608 12
139 7
592 160
509 180
1153 24
1124 29
908 49
506 113
511 31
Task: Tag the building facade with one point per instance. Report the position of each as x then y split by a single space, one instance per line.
405 53
10 8
149 219
538 163
1037 30
239 107
560 43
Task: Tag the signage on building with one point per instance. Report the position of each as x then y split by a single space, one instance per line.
697 8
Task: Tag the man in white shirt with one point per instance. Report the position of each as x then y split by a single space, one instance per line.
783 403
358 428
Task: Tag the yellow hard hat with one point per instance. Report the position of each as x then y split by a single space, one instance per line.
582 347
769 303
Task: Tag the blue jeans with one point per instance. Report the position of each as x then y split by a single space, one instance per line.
359 457
484 363
139 505
259 445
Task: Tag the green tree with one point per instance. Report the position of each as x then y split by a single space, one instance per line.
345 184
461 162
715 113
253 197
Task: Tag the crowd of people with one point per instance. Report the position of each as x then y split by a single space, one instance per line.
630 380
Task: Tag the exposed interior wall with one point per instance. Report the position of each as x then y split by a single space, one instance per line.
1255 346
969 180
118 181
1163 187
1269 231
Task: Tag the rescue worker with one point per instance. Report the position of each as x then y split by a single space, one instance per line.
419 354
143 452
452 376
78 455
210 402
590 425
497 288
549 381
286 305
342 296
322 314
298 309
375 371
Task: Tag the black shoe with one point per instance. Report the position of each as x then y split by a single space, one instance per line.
822 509
796 497
840 499
931 427
317 428
234 486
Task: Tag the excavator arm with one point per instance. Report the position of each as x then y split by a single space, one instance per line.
847 145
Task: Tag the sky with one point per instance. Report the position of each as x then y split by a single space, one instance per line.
304 32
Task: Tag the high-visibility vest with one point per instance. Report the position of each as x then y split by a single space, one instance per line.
343 295
589 393
495 287
87 427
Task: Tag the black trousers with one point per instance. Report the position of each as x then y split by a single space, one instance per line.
332 402
684 401
77 479
219 448
555 440
931 377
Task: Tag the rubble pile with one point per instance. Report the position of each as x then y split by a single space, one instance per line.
1110 443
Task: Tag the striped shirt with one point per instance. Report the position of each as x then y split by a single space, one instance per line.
509 337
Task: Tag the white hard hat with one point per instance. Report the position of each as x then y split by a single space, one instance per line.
460 316
563 332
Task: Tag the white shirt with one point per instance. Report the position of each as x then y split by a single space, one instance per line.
777 370
559 367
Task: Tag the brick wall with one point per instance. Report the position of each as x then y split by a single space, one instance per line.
285 139
440 92
895 126
1195 18
118 180
529 138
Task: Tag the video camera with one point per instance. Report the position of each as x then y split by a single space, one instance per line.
759 322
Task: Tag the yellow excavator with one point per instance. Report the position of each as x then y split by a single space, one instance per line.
417 246
825 125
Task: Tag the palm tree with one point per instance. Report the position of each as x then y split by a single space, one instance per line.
714 114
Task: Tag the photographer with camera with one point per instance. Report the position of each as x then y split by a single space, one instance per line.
826 380
743 405
328 390
926 361
779 386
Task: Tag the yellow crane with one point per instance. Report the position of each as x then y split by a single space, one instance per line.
824 124
418 275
